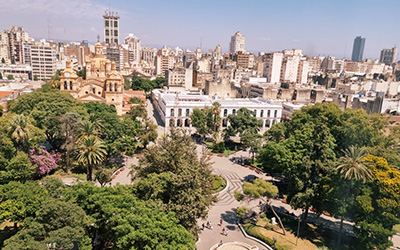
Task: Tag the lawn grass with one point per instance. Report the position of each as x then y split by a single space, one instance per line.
218 183
312 237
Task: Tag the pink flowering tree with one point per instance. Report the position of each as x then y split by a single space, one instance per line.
44 160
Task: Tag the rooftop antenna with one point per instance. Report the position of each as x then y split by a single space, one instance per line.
98 38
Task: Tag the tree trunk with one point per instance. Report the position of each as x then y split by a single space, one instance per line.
342 217
279 219
89 172
304 222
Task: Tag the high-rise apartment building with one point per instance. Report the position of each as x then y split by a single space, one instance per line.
272 64
237 43
11 44
133 47
358 49
388 56
43 60
111 27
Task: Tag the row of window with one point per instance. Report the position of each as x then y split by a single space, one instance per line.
115 32
186 123
107 23
225 112
108 40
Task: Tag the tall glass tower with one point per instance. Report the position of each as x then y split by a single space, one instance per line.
358 49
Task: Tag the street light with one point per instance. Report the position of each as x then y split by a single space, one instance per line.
274 242
298 228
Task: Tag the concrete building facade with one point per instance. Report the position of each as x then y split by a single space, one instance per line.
111 27
237 43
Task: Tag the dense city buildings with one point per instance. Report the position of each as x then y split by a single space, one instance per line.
358 49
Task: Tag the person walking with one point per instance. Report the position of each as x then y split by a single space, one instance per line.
220 222
223 231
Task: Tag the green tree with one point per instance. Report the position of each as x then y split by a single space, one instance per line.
148 133
91 152
199 121
127 83
10 77
1 76
377 205
3 60
103 176
173 174
351 168
35 78
59 223
138 111
19 201
20 129
306 157
69 127
19 168
124 222
244 122
1 110
260 189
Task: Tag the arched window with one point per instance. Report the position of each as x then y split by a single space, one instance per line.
187 122
65 85
234 112
70 85
225 112
110 86
225 123
115 87
172 123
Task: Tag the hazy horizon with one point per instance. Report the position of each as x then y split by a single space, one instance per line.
316 27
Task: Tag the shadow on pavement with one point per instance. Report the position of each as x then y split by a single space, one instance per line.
229 216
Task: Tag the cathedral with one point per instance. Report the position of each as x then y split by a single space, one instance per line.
103 82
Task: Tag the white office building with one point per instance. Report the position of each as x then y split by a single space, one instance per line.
237 43
175 108
43 60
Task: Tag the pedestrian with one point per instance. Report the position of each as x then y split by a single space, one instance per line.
211 227
220 222
202 226
226 232
223 231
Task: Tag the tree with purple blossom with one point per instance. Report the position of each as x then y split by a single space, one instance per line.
44 160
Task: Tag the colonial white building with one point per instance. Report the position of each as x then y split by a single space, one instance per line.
175 108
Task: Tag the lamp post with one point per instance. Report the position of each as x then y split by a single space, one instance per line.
274 242
298 228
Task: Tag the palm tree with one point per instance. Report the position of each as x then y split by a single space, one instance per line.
91 152
87 128
352 168
20 129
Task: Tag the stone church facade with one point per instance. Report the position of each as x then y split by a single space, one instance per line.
103 82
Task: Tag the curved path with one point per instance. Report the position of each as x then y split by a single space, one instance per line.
225 207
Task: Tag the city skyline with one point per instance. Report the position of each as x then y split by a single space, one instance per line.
318 28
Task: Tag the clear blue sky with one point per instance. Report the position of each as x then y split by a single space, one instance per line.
319 27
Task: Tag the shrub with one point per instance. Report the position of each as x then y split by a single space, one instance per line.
241 211
257 234
238 195
218 147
